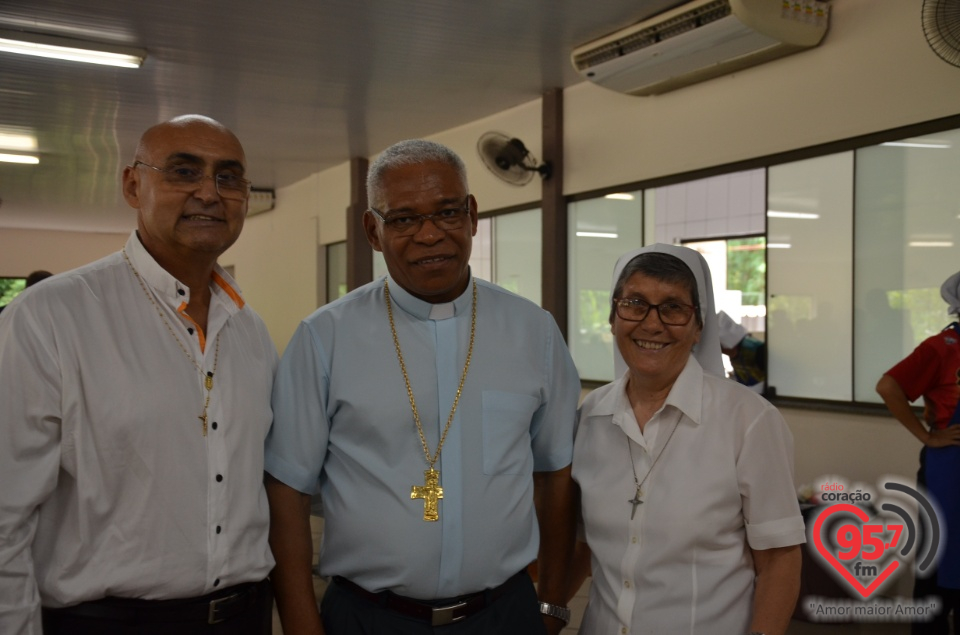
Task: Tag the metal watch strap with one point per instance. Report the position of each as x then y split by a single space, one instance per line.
559 612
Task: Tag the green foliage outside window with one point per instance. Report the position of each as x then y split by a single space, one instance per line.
925 308
10 288
747 268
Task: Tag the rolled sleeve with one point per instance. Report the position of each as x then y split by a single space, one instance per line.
765 473
553 427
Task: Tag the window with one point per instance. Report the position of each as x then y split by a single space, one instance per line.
810 277
600 231
907 243
336 270
837 260
11 288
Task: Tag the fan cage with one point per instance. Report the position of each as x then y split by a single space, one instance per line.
941 27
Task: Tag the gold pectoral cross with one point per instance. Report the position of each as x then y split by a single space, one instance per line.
203 418
431 492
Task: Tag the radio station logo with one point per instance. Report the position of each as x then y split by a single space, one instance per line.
866 543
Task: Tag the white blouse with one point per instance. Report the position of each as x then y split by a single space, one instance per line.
723 485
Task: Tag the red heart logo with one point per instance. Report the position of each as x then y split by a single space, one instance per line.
867 591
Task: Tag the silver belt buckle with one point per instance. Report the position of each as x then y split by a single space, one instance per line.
443 615
212 612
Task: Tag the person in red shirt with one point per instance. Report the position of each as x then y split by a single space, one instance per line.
932 371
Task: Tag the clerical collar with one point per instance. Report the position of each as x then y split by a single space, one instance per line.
424 310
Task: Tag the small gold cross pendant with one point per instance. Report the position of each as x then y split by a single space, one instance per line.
431 492
203 418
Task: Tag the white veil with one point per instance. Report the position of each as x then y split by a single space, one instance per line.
707 351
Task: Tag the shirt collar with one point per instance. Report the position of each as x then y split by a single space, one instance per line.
423 310
168 287
686 394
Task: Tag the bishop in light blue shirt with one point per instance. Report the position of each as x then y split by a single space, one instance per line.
343 424
404 556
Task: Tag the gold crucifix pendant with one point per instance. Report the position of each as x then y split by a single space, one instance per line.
431 492
203 418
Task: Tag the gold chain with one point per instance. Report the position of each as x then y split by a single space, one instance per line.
208 376
403 368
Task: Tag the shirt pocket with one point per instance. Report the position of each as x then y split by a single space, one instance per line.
507 418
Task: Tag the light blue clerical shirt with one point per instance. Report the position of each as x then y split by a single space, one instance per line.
343 422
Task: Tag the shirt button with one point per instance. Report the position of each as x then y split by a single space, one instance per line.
214 425
219 477
218 529
190 330
181 292
216 582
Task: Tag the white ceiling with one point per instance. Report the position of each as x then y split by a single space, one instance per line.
305 84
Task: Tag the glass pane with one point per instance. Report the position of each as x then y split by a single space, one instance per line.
810 277
481 256
10 288
516 253
738 268
715 207
600 231
907 244
336 270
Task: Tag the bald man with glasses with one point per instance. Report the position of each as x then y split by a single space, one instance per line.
134 404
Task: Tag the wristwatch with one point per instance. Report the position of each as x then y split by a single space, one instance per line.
559 612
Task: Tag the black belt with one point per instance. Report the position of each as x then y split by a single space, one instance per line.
435 612
212 608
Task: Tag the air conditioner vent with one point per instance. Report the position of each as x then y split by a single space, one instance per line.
699 40
686 21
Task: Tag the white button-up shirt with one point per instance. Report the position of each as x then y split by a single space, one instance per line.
109 487
723 484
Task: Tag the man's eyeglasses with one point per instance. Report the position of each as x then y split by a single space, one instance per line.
187 178
408 224
671 313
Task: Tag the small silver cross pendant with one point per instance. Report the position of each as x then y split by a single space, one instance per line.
635 501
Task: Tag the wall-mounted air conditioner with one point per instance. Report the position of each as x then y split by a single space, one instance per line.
699 40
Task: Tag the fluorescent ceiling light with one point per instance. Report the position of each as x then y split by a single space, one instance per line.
13 141
61 48
778 245
917 144
804 215
620 196
597 235
930 243
19 158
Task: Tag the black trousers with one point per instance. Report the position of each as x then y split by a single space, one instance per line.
114 616
516 612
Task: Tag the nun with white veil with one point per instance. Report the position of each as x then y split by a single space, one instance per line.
690 516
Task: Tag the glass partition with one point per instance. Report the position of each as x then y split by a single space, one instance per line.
600 231
810 278
907 243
